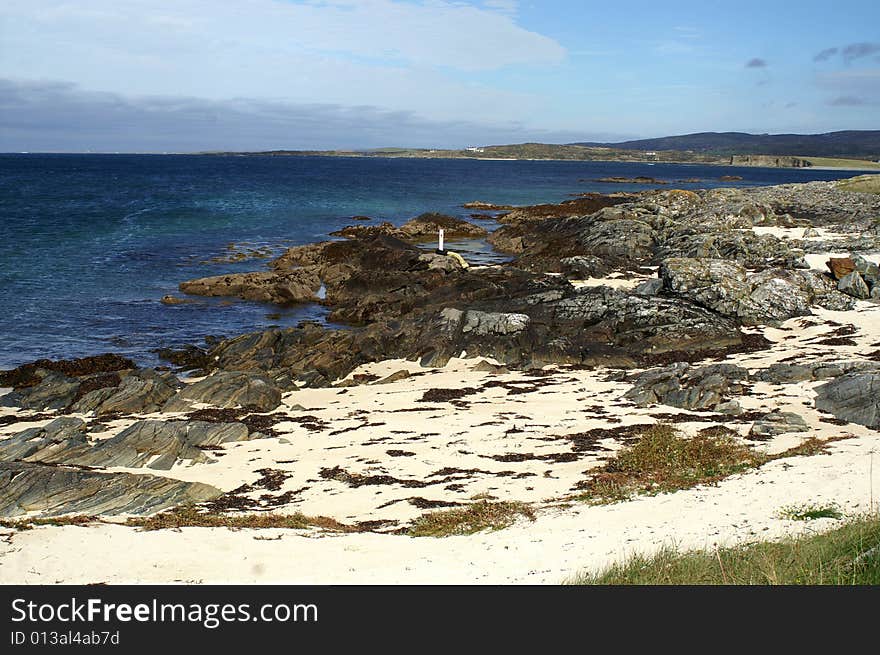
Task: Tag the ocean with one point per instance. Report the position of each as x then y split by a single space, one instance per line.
89 244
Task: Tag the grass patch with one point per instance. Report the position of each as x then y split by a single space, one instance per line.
468 520
663 461
810 512
848 555
190 516
835 162
861 184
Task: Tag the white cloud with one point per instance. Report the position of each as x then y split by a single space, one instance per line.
390 53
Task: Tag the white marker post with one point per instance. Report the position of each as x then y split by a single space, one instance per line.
440 246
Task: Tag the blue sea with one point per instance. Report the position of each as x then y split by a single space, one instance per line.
89 244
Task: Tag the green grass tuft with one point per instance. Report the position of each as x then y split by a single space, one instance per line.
810 512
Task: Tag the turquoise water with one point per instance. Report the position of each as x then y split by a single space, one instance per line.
89 244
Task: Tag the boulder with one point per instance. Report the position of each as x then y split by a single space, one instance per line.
776 423
228 389
682 385
854 397
840 267
141 391
853 285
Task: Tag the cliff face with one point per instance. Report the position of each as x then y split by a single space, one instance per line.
768 160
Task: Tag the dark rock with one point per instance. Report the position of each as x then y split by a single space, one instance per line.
293 286
583 267
186 358
853 397
26 375
52 490
228 389
650 287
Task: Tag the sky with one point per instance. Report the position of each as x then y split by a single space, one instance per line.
197 75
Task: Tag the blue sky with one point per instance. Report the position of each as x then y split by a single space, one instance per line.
188 75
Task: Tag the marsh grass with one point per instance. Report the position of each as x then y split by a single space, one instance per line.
848 555
477 516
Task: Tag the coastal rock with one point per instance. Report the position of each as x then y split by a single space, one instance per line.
27 488
27 375
854 397
228 389
142 390
62 434
840 267
583 267
154 444
687 387
776 423
767 297
293 286
54 391
853 285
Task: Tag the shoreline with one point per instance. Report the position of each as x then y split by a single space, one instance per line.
376 443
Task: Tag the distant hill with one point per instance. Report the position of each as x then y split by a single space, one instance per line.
858 144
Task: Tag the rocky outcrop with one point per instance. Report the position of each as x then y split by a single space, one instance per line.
28 488
768 297
139 390
688 387
228 389
294 286
27 374
854 397
776 423
149 443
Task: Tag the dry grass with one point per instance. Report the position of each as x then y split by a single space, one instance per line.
468 520
29 523
190 516
861 184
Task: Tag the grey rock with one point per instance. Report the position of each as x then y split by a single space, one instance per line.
687 387
854 397
776 423
228 389
62 434
785 373
853 285
53 490
582 267
143 390
650 287
484 323
55 391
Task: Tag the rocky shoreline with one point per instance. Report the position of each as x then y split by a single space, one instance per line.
716 307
